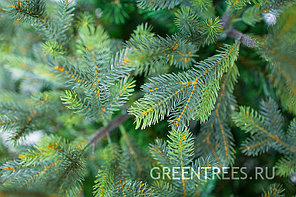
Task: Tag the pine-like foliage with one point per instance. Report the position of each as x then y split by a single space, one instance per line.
154 52
73 71
115 11
266 129
20 120
177 152
159 4
54 165
215 137
122 169
104 80
274 190
279 50
34 12
186 95
103 90
265 5
199 29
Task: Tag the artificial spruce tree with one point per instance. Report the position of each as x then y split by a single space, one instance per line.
108 98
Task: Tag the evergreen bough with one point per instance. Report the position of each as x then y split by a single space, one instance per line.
75 78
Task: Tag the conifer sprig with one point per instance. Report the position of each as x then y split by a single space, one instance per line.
18 121
274 190
184 96
34 13
53 164
152 54
278 50
215 137
200 31
178 151
267 132
158 4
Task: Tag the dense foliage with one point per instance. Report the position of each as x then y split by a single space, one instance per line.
95 94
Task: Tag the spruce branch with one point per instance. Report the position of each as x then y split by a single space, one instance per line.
216 138
193 91
274 190
267 132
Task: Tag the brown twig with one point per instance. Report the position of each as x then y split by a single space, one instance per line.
107 129
233 33
243 38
